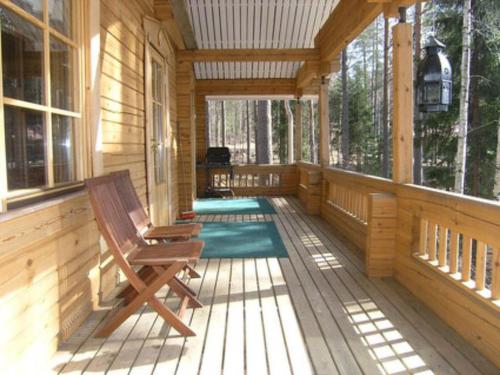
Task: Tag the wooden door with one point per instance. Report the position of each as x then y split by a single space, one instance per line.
157 138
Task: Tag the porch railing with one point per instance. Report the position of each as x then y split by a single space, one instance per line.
444 247
251 180
458 237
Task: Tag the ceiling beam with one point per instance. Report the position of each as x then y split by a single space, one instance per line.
175 16
345 23
243 87
257 55
348 20
164 13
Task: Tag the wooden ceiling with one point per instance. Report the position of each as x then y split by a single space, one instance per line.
255 24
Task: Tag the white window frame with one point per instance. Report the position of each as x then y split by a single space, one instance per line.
79 10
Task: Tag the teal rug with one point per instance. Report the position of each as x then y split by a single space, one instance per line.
242 240
237 206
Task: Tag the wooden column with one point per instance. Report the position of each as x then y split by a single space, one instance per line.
94 89
290 152
298 130
324 125
186 142
402 132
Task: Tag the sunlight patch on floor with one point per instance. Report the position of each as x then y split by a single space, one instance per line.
384 342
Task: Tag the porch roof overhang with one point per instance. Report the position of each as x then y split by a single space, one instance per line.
279 47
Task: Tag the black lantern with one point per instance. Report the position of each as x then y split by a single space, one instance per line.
434 78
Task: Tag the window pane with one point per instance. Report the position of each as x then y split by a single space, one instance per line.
160 148
25 146
22 58
157 81
34 7
63 147
60 16
62 68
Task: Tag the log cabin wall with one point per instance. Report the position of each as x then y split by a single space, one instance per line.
54 267
201 128
186 175
50 264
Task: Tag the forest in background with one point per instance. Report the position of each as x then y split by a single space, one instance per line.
361 105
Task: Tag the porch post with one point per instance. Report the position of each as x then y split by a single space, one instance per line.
324 124
298 130
94 103
290 147
402 133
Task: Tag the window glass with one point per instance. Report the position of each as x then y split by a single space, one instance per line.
25 146
34 7
63 149
60 16
22 58
157 78
62 69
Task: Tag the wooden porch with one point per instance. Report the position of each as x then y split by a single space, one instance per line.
314 312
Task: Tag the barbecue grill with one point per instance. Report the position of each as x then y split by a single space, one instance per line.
217 158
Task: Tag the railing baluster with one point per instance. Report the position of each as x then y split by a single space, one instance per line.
443 244
422 248
466 257
495 277
453 252
481 265
431 235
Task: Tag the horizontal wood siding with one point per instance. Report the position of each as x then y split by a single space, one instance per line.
49 281
54 267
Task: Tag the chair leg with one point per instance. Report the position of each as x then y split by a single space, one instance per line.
147 295
192 272
183 291
171 318
145 273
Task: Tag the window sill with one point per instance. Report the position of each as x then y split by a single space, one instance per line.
41 205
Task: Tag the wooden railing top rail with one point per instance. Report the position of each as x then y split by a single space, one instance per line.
485 209
258 167
309 166
375 184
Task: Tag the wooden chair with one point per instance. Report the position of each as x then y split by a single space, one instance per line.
160 263
141 220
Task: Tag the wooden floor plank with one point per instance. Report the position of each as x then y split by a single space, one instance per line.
328 320
312 313
256 361
192 350
234 346
160 346
211 361
422 341
296 346
277 355
171 349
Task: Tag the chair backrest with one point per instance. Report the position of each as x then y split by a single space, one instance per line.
112 218
130 199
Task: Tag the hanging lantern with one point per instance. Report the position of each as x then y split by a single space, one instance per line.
434 78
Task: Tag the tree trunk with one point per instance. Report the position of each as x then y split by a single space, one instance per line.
223 123
345 112
217 124
418 147
385 103
290 122
247 122
263 132
461 156
496 188
312 140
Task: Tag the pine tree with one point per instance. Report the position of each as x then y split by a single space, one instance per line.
461 157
